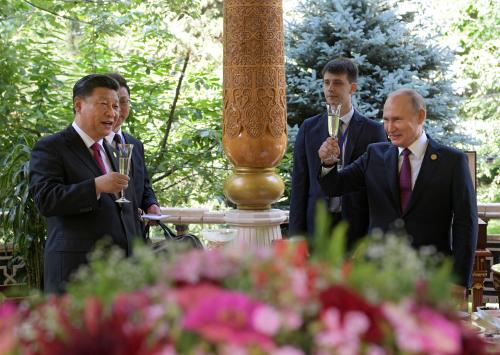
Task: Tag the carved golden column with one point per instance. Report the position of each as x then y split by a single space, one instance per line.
255 131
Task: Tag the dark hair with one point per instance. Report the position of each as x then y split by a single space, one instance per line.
87 84
342 66
121 81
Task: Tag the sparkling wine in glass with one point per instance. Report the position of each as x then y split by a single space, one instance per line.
333 119
124 158
333 126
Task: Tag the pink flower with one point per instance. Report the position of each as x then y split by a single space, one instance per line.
227 317
189 296
343 335
197 266
345 300
291 319
422 330
299 284
266 320
8 319
287 350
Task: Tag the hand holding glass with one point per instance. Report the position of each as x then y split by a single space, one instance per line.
333 124
124 159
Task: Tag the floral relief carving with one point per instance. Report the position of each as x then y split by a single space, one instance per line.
254 77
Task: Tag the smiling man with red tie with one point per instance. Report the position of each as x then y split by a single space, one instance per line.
415 179
73 181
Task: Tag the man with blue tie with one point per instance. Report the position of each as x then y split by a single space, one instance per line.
339 84
74 184
414 179
146 198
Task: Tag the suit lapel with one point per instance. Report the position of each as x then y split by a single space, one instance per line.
323 132
427 171
352 136
391 170
112 155
76 145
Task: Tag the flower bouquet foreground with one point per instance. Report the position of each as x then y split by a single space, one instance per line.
385 299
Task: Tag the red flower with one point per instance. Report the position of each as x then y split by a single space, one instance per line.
293 250
345 300
473 344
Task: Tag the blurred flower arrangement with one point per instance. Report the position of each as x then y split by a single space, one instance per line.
236 300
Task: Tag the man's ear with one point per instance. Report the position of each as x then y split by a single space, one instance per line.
354 87
421 115
77 104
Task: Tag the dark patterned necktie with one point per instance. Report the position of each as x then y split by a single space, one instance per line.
97 157
405 180
117 139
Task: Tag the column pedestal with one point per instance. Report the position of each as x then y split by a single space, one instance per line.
256 228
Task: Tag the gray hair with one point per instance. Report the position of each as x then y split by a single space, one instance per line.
417 101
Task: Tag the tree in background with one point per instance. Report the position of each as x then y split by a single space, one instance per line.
160 47
388 50
475 32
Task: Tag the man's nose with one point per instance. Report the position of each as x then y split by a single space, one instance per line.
388 126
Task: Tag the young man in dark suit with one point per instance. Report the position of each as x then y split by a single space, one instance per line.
414 179
339 84
146 198
74 183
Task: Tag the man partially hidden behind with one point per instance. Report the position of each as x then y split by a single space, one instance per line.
74 183
146 198
415 179
339 84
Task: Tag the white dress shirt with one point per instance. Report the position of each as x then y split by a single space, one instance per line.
109 137
89 142
416 157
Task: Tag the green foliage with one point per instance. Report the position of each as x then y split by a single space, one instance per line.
388 52
329 246
158 46
382 266
21 223
477 73
110 273
47 45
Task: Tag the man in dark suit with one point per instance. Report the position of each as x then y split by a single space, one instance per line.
146 198
74 183
339 83
415 179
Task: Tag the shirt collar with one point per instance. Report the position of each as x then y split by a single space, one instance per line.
418 147
347 117
85 137
109 137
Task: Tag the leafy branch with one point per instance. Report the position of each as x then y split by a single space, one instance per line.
171 116
55 13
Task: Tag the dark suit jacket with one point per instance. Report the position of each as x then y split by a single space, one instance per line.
143 191
442 210
62 173
305 188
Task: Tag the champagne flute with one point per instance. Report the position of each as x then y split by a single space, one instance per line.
333 112
124 159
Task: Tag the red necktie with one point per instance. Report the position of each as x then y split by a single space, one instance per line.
98 158
405 180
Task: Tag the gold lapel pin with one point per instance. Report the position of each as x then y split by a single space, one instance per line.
114 154
434 156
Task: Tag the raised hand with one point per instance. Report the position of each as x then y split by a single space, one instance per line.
329 151
111 182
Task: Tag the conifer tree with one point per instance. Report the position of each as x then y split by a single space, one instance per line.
389 49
